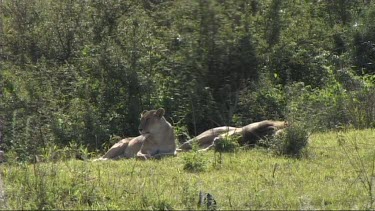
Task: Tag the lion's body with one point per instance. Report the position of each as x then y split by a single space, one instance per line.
206 138
125 148
156 140
161 138
249 134
117 151
253 132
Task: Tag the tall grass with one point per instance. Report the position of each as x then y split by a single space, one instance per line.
248 179
363 162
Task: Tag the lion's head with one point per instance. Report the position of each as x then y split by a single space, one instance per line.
151 121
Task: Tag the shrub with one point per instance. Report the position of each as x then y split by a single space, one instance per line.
318 109
194 161
265 100
227 144
346 99
292 141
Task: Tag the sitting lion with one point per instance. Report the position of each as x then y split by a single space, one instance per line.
250 134
160 138
156 140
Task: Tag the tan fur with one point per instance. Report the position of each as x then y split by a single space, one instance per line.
161 139
156 139
125 148
206 138
250 134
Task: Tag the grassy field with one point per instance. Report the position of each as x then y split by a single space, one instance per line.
337 173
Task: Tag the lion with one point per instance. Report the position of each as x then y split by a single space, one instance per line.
206 138
253 132
249 134
160 139
157 139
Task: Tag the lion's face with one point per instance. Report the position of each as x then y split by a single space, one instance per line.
151 121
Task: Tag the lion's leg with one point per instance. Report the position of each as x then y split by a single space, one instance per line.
161 155
207 148
143 156
186 146
147 156
133 147
100 159
210 146
116 151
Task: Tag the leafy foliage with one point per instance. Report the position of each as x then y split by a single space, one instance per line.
195 162
227 144
292 141
81 72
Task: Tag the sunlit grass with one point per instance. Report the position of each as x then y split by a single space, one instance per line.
327 178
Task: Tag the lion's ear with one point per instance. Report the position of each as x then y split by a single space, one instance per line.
160 112
143 112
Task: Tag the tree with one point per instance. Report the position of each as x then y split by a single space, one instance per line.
363 53
273 23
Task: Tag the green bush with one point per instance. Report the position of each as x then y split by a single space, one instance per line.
345 99
264 100
227 144
291 142
194 162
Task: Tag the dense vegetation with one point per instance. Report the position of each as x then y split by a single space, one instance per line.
80 72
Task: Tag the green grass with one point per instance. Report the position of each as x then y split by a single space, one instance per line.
334 175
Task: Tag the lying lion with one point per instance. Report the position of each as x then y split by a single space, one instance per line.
206 138
156 140
250 134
